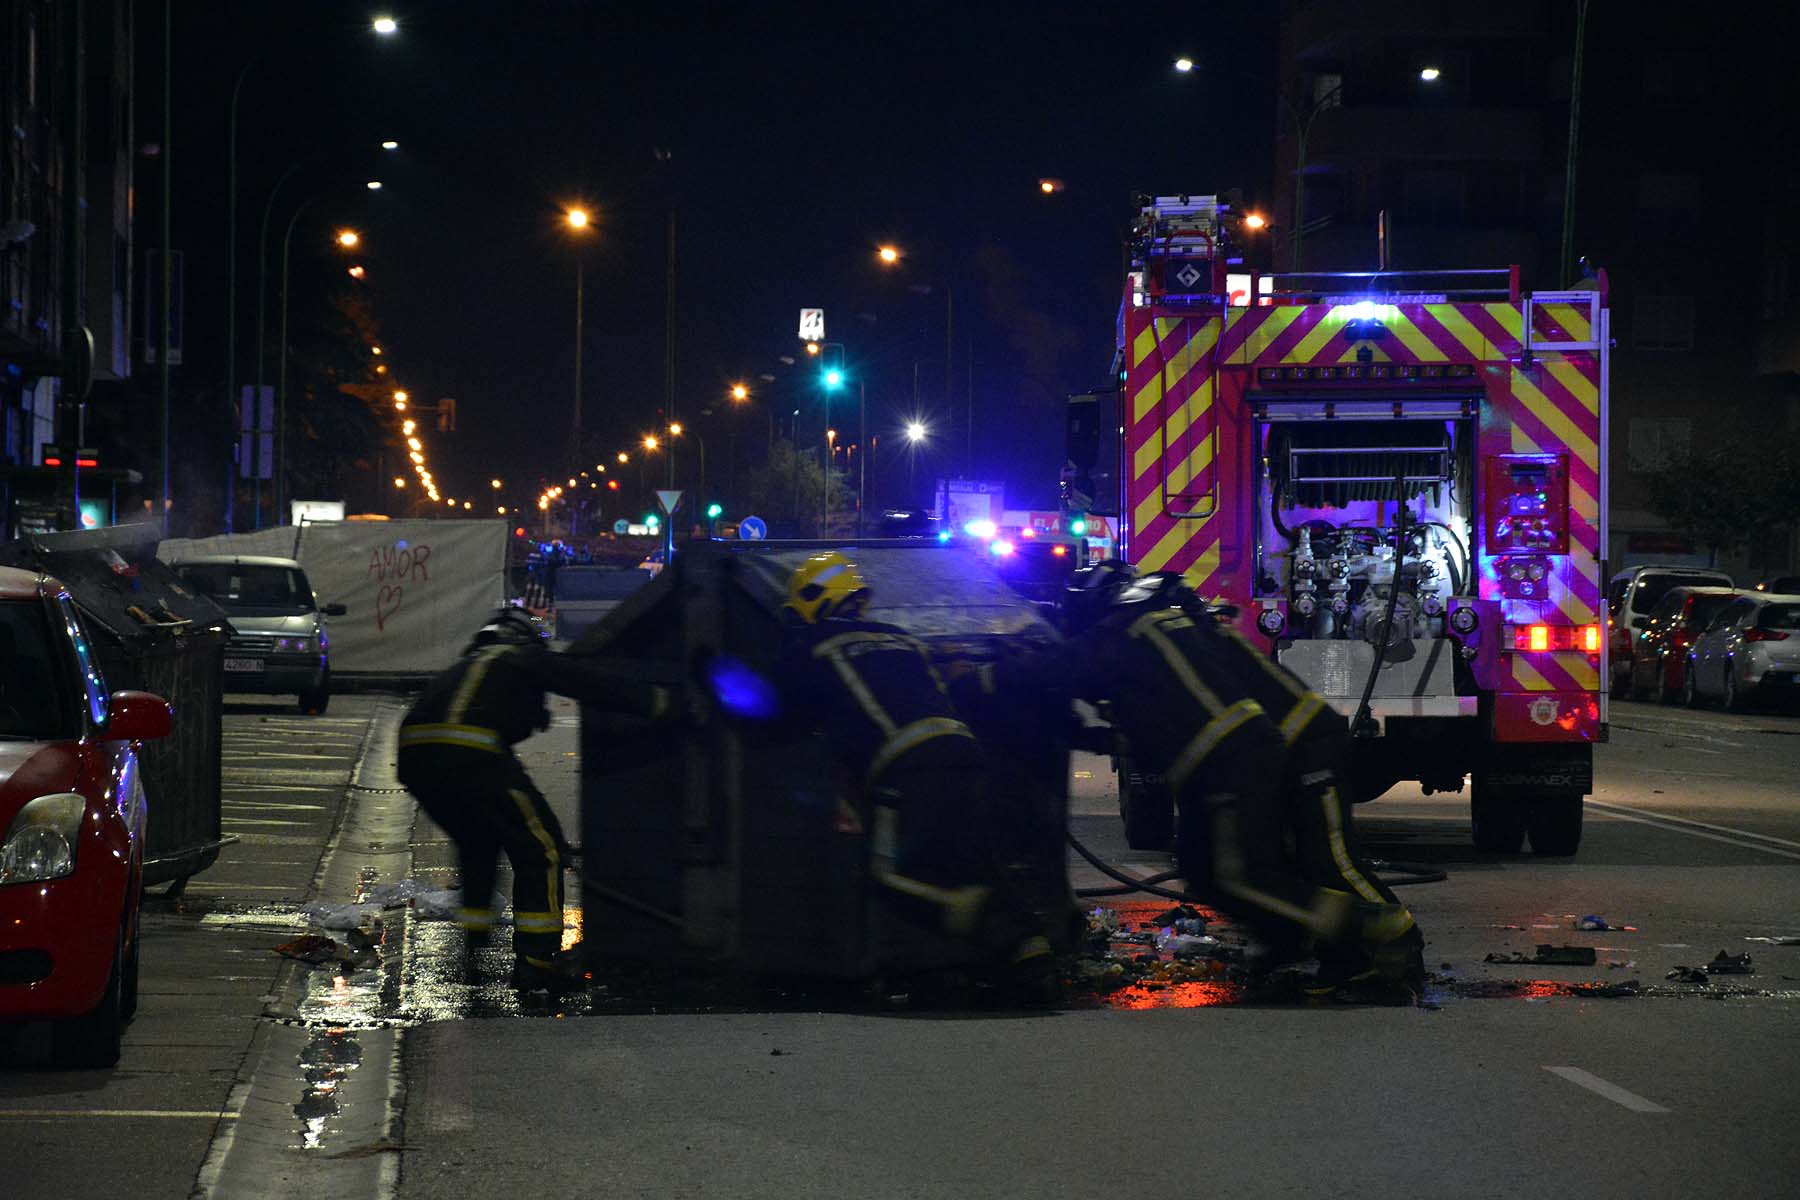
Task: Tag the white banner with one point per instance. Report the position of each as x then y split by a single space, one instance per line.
416 590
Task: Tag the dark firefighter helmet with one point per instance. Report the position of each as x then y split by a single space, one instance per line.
1091 591
509 626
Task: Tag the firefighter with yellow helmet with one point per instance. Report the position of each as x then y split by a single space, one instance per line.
888 720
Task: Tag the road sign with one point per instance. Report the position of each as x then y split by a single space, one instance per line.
668 499
752 529
812 324
621 526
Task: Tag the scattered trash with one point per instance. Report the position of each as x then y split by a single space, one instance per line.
317 950
1186 945
1608 991
1688 975
1730 964
340 916
1784 940
1103 919
1593 921
437 906
1549 956
777 1053
1506 927
1179 914
1613 964
391 895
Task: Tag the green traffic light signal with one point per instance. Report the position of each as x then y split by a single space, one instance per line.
714 511
1078 526
652 520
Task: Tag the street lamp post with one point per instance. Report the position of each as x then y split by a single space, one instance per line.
862 450
891 256
578 221
262 292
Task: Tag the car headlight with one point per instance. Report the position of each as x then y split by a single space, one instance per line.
40 843
296 645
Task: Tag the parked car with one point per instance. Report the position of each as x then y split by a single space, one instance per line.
1749 651
1783 585
72 807
278 642
1659 652
1631 597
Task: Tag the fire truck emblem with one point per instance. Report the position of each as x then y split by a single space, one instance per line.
1543 710
1188 276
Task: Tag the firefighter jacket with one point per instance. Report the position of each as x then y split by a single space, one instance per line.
493 697
873 691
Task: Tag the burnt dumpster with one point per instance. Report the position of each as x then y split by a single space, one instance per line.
732 842
151 632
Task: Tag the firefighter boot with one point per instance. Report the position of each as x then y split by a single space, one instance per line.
567 972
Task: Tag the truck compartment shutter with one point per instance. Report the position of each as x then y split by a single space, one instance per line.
1333 461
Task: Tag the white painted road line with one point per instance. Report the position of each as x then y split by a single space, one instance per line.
1743 839
1611 1091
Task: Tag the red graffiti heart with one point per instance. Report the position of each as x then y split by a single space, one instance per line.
387 603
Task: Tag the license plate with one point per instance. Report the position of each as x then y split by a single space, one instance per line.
247 665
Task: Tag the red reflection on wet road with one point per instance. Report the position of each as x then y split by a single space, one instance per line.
1205 993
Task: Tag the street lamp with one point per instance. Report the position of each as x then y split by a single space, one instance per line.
495 484
650 442
390 144
1429 74
386 26
578 221
374 185
888 254
950 368
348 238
1255 221
1184 64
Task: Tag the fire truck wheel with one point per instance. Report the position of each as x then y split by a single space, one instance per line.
1498 820
1146 808
1556 826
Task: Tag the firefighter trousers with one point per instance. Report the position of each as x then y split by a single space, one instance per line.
923 848
487 803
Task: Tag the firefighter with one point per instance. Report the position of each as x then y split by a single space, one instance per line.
456 758
1253 758
889 722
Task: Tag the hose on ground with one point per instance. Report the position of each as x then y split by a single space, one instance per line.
1394 874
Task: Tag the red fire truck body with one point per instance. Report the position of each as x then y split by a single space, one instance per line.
1399 480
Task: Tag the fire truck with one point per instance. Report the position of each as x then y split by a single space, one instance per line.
1398 481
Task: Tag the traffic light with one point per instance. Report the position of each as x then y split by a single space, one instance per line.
714 511
831 367
653 521
1077 524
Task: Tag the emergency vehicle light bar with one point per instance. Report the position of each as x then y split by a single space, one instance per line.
1404 372
1583 639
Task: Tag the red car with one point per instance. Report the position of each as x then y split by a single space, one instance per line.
1660 653
72 808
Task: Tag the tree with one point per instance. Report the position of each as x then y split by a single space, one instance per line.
789 489
1738 494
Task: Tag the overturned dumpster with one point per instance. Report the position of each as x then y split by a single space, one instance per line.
735 844
151 632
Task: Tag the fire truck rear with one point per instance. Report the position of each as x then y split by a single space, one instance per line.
1399 480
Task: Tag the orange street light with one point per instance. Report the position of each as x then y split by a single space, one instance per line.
650 442
675 429
348 238
624 457
578 218
356 272
888 254
1255 221
739 392
494 483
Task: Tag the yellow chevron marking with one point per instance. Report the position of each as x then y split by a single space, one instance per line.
1451 318
1204 566
1151 507
1578 385
1508 318
1198 346
1527 676
1522 443
1584 504
1273 326
1197 404
1572 317
1376 354
1144 344
1572 606
1423 348
1184 532
1319 336
1582 669
1579 444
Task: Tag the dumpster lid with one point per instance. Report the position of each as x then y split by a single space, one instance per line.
115 578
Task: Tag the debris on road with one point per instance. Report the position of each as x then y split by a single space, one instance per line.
1784 940
1730 964
1596 922
1183 915
1689 975
1607 991
317 950
1549 956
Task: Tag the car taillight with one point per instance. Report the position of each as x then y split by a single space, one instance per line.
1765 635
1543 638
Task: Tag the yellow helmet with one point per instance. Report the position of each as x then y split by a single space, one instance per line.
826 585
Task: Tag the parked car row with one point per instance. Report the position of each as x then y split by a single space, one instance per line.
1688 634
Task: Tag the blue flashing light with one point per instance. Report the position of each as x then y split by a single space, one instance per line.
1000 547
833 378
982 528
943 535
740 691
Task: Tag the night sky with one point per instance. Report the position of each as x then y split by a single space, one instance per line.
798 138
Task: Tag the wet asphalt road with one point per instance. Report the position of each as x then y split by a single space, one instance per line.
401 1077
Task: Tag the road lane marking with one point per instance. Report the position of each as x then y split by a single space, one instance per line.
1611 1091
58 1114
1696 737
1742 838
